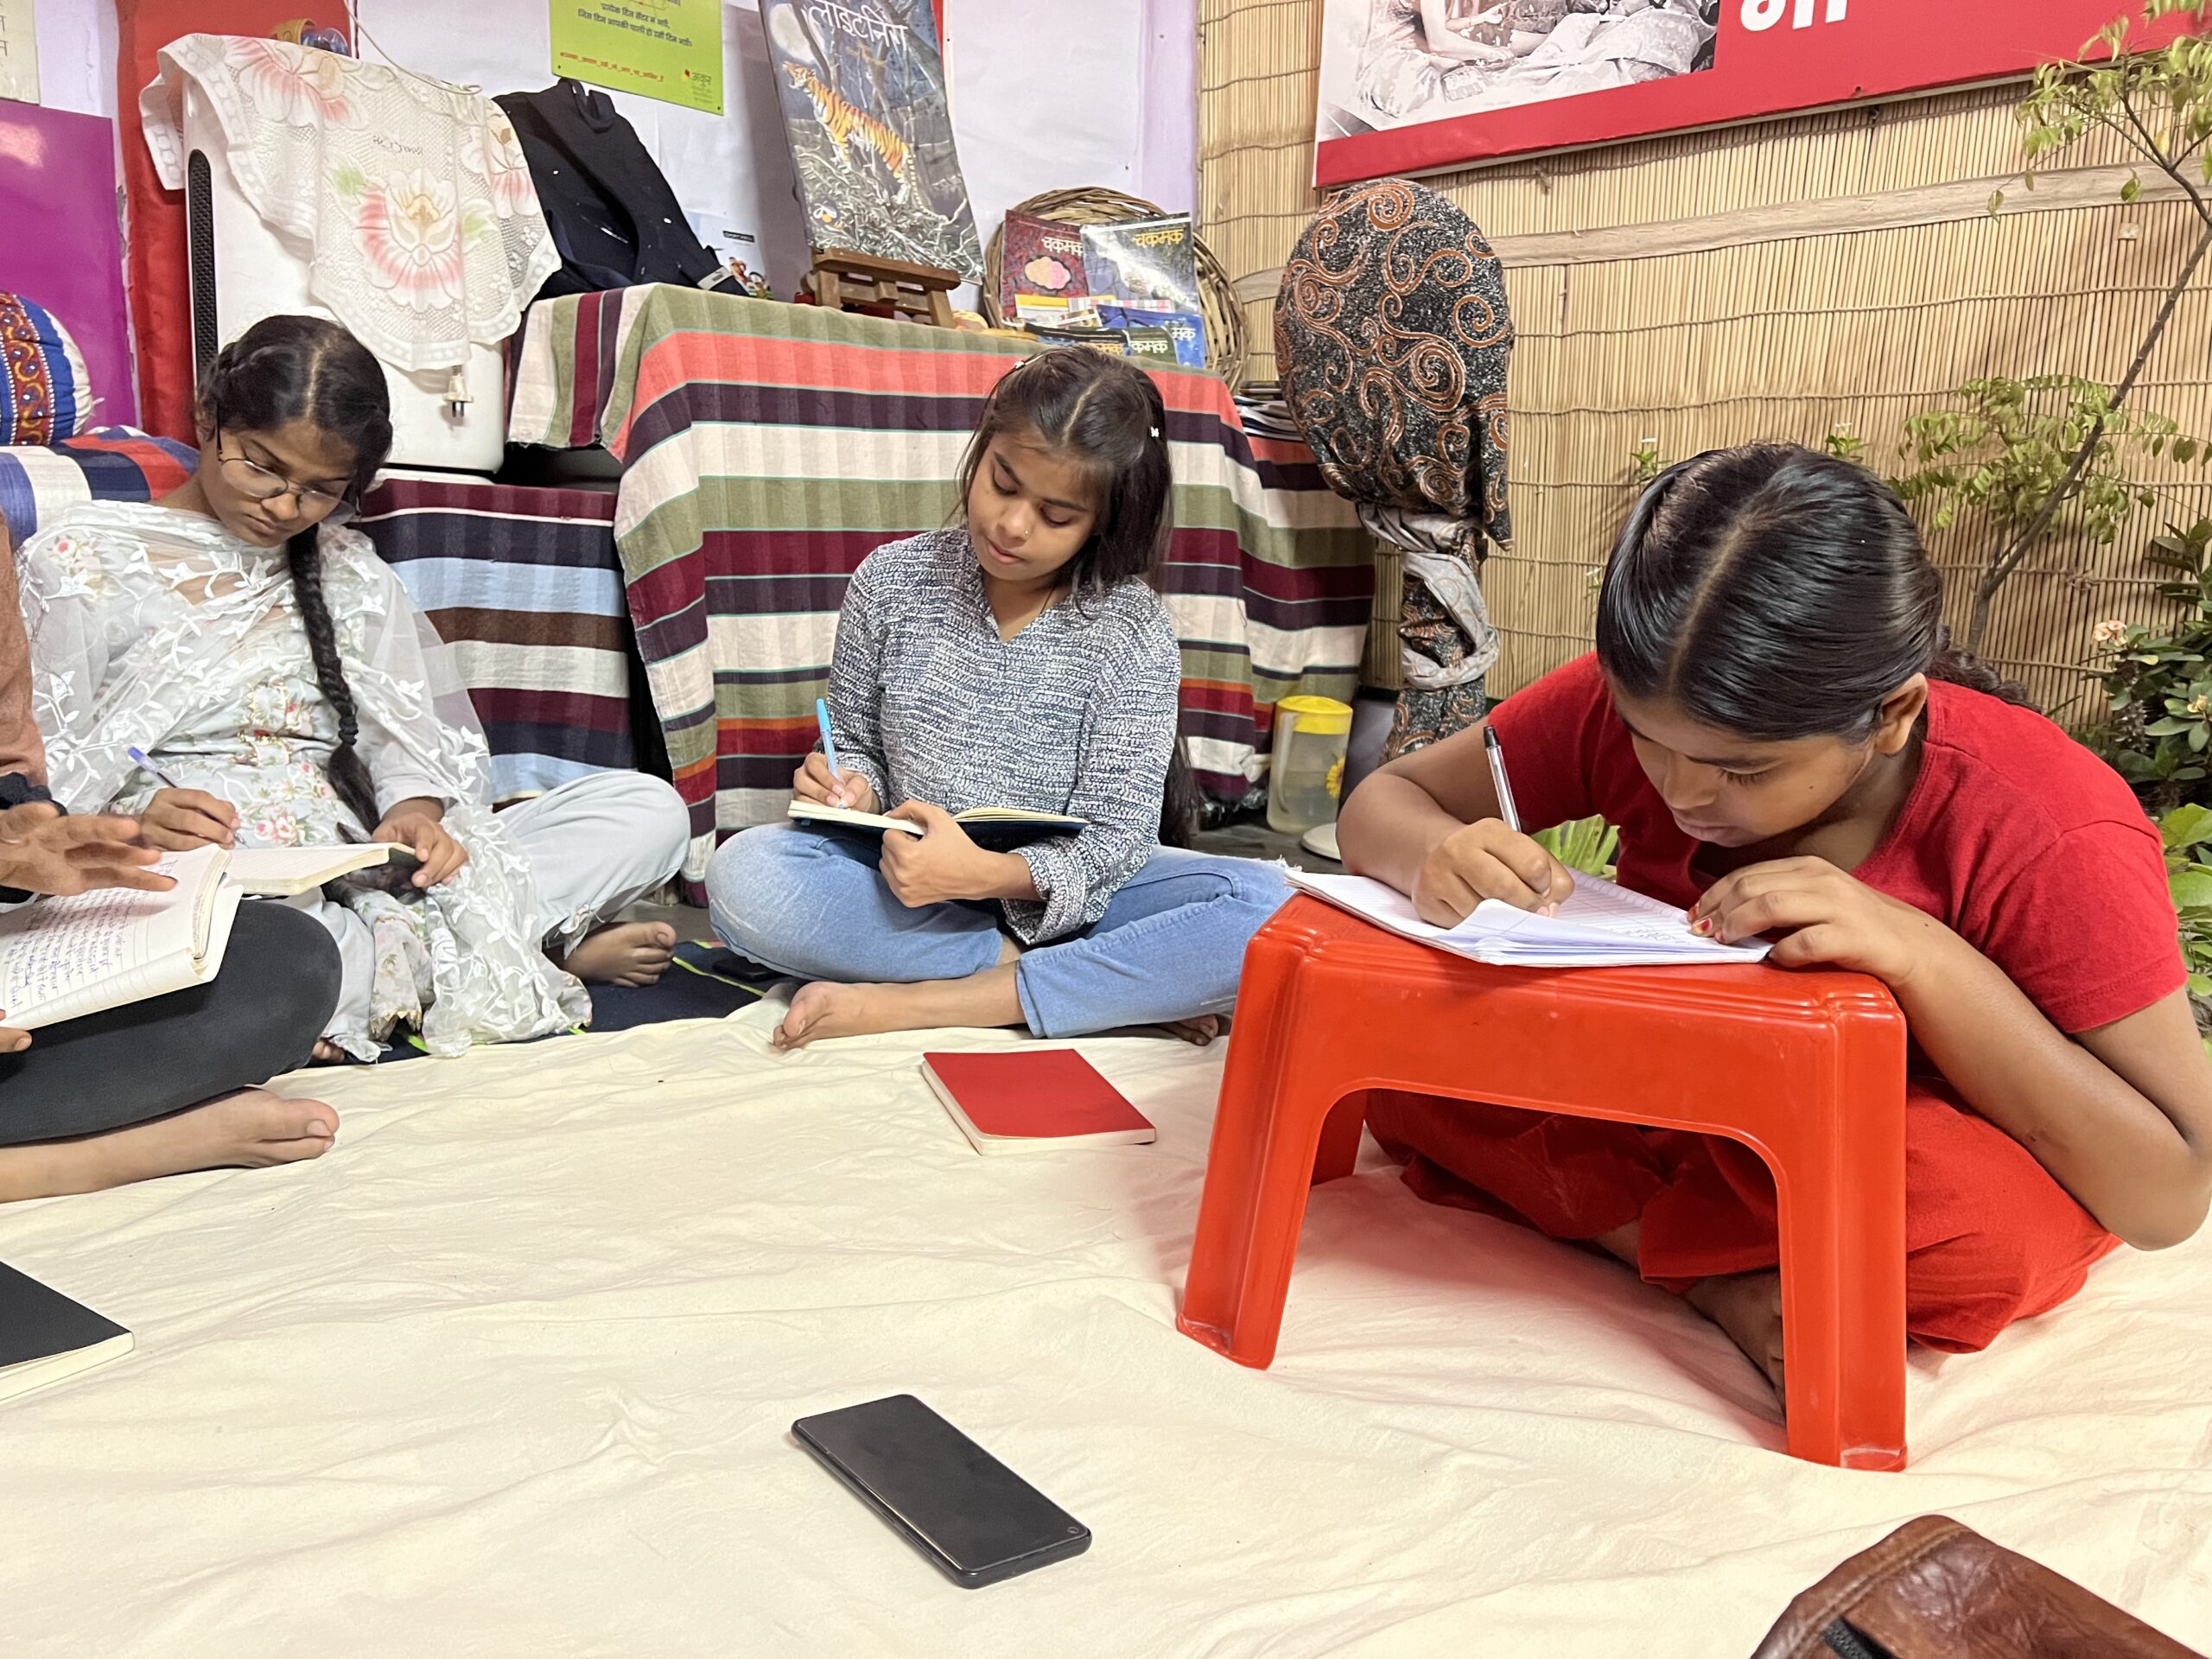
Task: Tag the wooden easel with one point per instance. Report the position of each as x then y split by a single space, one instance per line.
845 281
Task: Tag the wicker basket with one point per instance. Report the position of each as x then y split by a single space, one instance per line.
1097 205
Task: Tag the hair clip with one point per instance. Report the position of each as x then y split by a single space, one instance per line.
1153 431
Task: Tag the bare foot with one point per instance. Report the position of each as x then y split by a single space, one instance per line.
624 953
251 1129
328 1052
823 1009
1748 1306
1198 1032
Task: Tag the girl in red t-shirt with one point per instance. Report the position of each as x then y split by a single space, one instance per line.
1777 720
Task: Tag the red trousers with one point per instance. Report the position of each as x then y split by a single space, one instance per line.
1990 1237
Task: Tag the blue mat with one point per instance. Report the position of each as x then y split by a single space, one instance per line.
708 982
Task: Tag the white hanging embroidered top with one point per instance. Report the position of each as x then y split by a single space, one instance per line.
411 200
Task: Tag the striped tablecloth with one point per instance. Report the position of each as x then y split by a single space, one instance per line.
768 449
525 585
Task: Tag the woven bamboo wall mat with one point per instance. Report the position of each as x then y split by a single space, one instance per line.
1838 270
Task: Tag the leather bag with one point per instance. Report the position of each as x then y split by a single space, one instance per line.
1933 1589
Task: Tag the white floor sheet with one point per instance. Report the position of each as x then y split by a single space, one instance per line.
511 1372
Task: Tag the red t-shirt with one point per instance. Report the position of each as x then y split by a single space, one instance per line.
2014 836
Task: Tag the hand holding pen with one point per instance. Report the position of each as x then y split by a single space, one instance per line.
178 819
820 780
1492 858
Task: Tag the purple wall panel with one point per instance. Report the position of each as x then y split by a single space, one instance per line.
59 245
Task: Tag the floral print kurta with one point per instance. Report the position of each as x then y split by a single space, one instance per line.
156 627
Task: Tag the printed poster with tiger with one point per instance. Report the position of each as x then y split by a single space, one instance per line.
863 89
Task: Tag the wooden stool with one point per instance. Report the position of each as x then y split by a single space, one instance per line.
845 281
1806 1068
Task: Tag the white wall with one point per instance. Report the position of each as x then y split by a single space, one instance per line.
1050 97
1037 105
1046 96
1167 105
76 54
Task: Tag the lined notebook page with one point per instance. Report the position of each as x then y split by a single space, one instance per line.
62 958
1596 906
1600 925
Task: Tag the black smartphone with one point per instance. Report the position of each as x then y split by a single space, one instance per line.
953 1500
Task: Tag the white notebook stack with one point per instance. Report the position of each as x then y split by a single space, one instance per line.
1600 926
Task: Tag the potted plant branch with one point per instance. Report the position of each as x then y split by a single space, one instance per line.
2026 451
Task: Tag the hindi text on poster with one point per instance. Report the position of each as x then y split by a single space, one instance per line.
668 49
1420 85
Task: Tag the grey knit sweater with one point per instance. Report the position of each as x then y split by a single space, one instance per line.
1075 714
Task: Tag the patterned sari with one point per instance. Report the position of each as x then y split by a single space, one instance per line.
1392 336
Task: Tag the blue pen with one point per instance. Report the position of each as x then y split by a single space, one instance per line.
829 745
138 759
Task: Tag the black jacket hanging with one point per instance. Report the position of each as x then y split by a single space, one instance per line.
613 215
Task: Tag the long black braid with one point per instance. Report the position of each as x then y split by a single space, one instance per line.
287 369
349 773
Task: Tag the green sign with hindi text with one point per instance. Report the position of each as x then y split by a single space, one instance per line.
668 49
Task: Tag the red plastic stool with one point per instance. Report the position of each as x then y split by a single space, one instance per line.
1806 1068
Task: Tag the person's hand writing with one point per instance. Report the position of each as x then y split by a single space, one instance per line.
421 825
815 782
178 820
939 865
1825 915
1488 860
41 851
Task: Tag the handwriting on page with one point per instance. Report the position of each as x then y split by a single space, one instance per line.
1624 914
76 944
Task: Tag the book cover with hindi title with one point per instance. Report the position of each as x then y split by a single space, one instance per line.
1144 265
862 87
1041 271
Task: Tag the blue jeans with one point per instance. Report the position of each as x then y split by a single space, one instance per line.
1170 946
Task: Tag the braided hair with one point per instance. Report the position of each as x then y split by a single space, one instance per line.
287 369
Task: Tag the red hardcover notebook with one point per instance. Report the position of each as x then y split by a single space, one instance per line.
1033 1100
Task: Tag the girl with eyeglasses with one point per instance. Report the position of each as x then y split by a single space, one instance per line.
286 693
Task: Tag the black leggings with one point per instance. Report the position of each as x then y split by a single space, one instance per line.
261 1015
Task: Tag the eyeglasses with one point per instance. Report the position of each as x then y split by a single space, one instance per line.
257 483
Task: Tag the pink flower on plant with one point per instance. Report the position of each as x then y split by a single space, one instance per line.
2109 633
412 238
296 84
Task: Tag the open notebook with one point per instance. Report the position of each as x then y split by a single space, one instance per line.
62 958
1600 925
998 829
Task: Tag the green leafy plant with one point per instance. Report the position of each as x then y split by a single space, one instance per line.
1840 444
1587 844
2156 728
2187 833
2008 445
2030 460
1645 463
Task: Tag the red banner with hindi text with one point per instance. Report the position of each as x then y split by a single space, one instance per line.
1418 85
